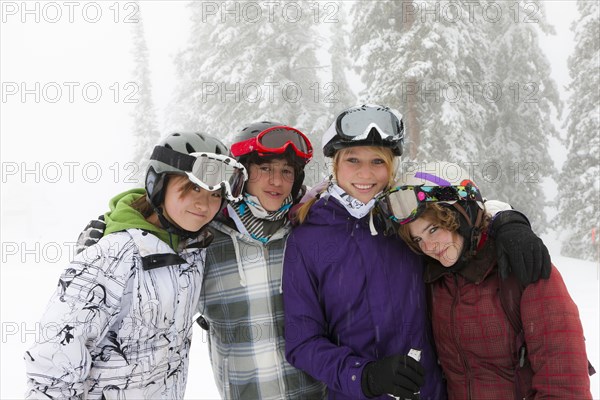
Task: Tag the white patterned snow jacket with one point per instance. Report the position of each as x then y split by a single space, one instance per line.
120 323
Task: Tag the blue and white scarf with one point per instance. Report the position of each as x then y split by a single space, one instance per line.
258 222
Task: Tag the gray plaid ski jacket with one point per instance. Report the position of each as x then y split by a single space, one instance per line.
242 302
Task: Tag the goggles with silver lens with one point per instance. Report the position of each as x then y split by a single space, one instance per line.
404 204
216 171
210 171
275 140
357 123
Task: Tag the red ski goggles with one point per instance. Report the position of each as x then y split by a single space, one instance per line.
275 140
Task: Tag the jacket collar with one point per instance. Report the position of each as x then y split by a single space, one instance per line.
155 253
227 226
476 270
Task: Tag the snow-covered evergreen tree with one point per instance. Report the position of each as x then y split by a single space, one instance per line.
463 81
579 181
341 62
248 62
145 128
515 157
420 58
338 93
188 104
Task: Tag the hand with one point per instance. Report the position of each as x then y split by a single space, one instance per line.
398 375
91 234
315 190
308 196
520 251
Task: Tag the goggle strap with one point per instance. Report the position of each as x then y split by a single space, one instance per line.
475 231
461 210
175 159
430 196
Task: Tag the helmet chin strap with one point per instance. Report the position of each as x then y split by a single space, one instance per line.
471 234
172 227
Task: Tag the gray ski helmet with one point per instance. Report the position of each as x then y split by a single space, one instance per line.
195 142
365 125
186 143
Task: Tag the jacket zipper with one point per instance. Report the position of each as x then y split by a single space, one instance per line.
274 328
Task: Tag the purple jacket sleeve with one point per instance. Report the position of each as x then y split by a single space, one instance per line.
308 346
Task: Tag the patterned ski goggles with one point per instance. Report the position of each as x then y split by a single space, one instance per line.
210 171
216 171
276 140
357 123
404 204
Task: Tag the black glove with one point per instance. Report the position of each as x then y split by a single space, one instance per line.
398 375
520 251
91 234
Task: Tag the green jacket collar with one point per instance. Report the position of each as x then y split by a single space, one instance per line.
122 217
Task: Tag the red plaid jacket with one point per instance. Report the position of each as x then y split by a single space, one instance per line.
476 343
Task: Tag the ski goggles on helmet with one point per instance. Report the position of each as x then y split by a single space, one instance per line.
214 171
357 123
210 171
404 204
275 140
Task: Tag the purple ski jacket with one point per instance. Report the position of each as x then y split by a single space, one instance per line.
351 298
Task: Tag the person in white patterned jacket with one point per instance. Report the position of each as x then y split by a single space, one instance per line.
241 304
119 325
